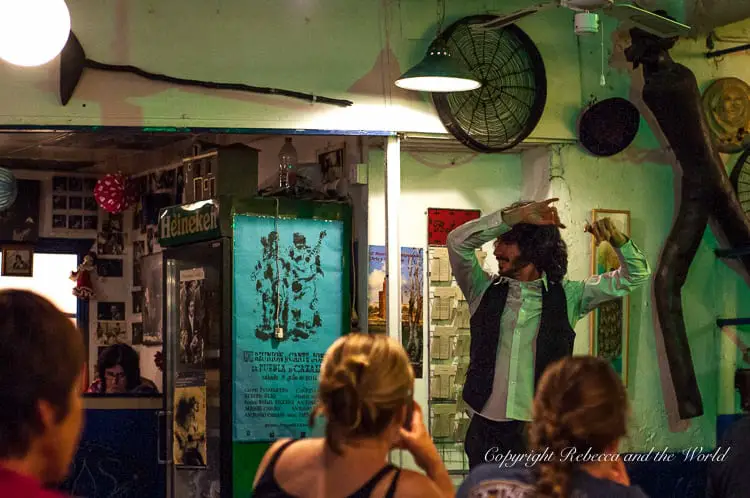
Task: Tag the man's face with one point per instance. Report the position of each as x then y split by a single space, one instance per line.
507 255
191 308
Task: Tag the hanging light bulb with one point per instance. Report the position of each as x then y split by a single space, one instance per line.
287 164
438 72
33 32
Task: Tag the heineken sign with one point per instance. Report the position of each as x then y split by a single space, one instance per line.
189 223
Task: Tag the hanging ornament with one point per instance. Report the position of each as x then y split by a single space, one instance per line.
84 288
110 193
8 189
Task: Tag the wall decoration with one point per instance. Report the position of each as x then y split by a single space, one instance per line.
608 127
110 311
137 328
671 93
8 189
332 164
609 324
110 332
412 300
113 223
110 243
151 277
83 278
275 375
137 302
190 420
73 204
726 103
193 317
20 222
18 261
109 268
112 193
441 221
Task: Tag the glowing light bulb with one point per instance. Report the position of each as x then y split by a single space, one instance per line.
33 32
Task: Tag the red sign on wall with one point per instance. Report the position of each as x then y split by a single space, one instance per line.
441 221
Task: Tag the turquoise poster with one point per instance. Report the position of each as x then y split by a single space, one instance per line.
287 311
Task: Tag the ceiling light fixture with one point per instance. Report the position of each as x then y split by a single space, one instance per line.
439 72
32 32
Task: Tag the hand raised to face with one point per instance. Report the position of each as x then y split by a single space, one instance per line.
605 230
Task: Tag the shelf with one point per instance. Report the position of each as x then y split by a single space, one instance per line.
725 322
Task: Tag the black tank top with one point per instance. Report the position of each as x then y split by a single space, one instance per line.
267 486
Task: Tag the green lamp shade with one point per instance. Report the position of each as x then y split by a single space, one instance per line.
438 72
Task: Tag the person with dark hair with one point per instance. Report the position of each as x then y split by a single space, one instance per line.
580 413
522 319
730 477
119 370
42 412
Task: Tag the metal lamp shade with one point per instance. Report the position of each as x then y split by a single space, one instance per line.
8 189
438 72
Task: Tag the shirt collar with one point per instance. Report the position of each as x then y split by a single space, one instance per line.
543 280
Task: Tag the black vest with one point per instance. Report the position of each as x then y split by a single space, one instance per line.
554 340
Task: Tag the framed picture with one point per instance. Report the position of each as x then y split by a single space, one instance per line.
18 261
20 222
610 322
332 164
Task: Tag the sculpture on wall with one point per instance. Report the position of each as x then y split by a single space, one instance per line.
671 92
727 107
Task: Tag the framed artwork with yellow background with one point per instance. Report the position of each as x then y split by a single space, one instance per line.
609 335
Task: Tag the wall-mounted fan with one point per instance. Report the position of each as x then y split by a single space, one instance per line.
741 181
587 21
507 107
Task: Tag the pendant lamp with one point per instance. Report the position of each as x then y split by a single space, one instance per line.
32 32
438 72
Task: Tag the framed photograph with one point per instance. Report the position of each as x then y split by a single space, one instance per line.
59 202
59 221
90 222
59 184
75 203
332 164
20 222
75 222
75 184
89 184
610 323
110 311
108 268
18 261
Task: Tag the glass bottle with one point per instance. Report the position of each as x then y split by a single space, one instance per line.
287 164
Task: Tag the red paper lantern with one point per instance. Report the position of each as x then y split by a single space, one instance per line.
111 193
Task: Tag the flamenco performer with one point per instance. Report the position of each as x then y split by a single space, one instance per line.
523 318
84 288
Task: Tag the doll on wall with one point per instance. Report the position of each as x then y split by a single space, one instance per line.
84 288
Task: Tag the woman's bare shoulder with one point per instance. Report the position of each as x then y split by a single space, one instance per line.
415 484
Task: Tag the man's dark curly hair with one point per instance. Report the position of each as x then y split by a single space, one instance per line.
540 245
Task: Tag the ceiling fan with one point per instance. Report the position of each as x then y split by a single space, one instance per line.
587 21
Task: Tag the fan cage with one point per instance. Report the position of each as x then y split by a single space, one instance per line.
508 106
740 179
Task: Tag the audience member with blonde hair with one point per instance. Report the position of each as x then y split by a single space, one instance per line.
365 396
579 415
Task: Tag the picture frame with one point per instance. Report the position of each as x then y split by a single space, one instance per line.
609 335
18 261
332 163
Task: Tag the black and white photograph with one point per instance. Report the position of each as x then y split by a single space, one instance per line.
165 180
18 262
59 184
151 273
331 164
75 222
137 302
89 184
110 243
75 184
137 333
89 204
75 203
59 221
109 268
90 222
110 311
139 249
108 333
59 202
137 281
192 317
137 215
20 222
112 223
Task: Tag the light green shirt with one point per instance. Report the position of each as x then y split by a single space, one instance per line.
513 385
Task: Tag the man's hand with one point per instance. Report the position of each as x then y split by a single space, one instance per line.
603 230
535 213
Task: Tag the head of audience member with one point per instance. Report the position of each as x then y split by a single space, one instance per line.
40 374
527 246
119 369
580 405
365 392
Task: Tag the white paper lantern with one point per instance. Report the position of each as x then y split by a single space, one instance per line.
33 32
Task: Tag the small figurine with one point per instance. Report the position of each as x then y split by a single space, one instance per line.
84 288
